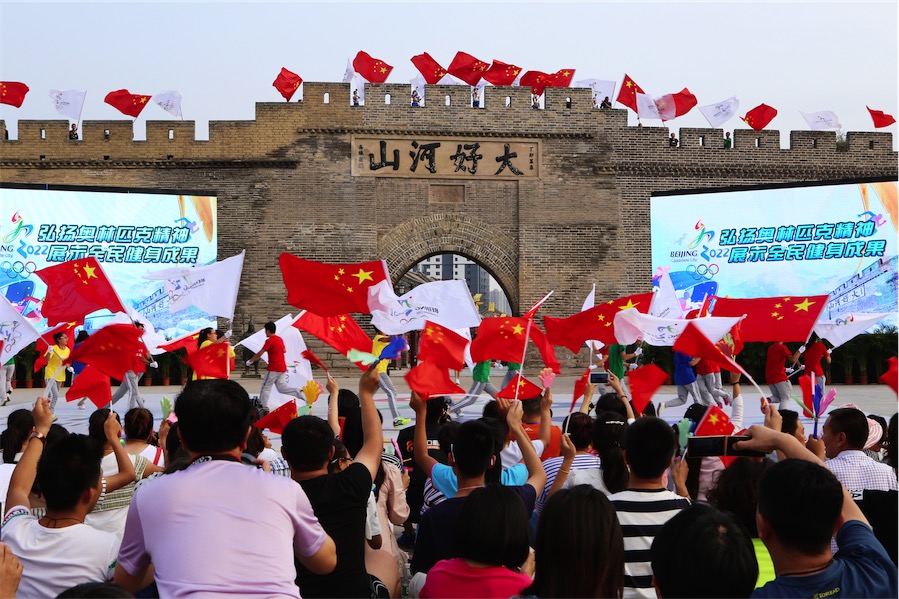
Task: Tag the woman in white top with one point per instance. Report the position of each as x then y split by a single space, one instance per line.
139 432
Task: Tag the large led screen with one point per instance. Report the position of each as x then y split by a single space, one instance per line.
129 233
836 239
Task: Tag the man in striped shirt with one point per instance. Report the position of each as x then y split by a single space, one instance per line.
646 505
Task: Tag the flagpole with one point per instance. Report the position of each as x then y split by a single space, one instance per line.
80 111
527 332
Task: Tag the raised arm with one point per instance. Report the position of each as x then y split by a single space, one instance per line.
589 390
333 416
126 473
536 473
546 403
372 434
420 440
26 470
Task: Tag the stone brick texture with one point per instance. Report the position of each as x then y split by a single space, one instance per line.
284 183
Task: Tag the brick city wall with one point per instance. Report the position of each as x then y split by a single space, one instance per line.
284 183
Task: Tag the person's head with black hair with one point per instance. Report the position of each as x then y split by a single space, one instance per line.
695 412
95 427
138 424
446 435
473 449
491 409
270 328
68 474
610 402
82 336
437 409
845 429
353 434
307 443
492 527
736 490
347 401
207 334
799 483
214 416
883 427
501 438
531 407
340 459
703 552
609 436
649 447
578 532
579 427
60 338
19 425
176 457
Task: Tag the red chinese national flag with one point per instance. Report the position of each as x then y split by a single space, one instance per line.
538 81
644 382
371 69
580 386
693 342
430 380
188 342
287 83
330 289
500 338
891 376
45 341
429 68
75 289
277 419
520 388
880 118
501 73
340 332
773 318
468 68
628 93
92 384
561 78
126 102
596 323
442 346
211 361
759 117
111 350
13 93
313 359
715 422
546 349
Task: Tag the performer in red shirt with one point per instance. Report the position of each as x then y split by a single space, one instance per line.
276 372
776 375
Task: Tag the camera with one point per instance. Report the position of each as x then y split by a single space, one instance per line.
601 378
715 446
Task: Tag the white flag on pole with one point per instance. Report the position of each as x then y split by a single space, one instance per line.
448 303
299 370
646 107
594 345
664 301
820 121
212 288
151 338
720 112
68 102
350 72
16 333
450 80
632 326
359 86
601 89
418 83
842 330
169 101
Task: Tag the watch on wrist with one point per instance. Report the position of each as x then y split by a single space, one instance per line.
38 435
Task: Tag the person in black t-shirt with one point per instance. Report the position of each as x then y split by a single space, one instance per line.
339 500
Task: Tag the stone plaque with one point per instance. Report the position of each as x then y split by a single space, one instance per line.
445 157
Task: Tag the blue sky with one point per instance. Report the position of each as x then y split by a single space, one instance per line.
223 56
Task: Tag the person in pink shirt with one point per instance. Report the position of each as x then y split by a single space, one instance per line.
492 541
276 372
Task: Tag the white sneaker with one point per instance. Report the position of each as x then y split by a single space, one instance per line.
659 409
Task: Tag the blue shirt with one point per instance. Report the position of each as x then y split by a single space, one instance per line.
445 480
683 372
861 568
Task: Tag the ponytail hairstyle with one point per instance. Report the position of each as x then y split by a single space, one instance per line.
608 442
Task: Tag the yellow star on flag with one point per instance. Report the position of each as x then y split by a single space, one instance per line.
521 382
349 289
363 275
803 305
601 317
517 329
714 419
777 305
340 271
775 314
628 305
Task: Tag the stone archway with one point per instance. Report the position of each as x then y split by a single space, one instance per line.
414 240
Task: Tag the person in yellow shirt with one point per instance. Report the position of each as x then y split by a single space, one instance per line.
54 371
377 346
207 337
